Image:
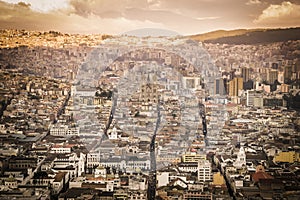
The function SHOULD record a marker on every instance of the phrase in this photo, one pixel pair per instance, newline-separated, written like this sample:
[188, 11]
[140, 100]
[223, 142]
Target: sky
[185, 17]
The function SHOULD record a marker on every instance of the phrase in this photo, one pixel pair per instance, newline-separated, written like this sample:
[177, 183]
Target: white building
[251, 95]
[204, 171]
[241, 159]
[63, 130]
[61, 149]
[93, 159]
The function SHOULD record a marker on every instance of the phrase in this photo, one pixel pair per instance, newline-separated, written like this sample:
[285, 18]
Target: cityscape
[148, 114]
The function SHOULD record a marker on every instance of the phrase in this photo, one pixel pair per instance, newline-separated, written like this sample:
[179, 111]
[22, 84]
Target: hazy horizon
[115, 17]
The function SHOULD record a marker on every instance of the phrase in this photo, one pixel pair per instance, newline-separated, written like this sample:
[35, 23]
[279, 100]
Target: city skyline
[117, 17]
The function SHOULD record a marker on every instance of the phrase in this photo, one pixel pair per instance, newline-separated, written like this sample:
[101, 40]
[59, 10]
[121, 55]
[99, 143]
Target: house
[60, 182]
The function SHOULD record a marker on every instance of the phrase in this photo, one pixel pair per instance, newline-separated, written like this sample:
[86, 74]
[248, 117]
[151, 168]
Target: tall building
[204, 171]
[219, 87]
[272, 75]
[245, 74]
[297, 69]
[235, 85]
[281, 77]
[287, 74]
[149, 94]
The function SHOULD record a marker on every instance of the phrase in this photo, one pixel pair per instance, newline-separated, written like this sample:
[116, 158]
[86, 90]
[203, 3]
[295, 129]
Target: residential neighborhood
[124, 117]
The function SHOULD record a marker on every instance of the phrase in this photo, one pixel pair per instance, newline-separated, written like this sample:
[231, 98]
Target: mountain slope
[221, 33]
[251, 36]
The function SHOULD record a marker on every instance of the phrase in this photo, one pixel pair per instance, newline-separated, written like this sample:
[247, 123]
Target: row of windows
[21, 165]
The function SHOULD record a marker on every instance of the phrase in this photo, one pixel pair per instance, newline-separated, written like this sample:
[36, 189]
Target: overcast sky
[118, 16]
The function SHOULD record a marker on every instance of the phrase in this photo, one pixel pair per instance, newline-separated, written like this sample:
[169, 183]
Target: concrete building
[245, 72]
[192, 157]
[204, 171]
[251, 95]
[235, 85]
[272, 75]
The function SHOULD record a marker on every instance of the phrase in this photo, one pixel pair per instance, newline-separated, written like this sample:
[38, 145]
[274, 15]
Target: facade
[245, 72]
[191, 157]
[204, 171]
[272, 76]
[219, 87]
[251, 95]
[63, 130]
[235, 85]
[289, 157]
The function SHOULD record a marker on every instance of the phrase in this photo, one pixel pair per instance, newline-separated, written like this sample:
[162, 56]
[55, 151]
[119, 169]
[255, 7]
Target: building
[285, 88]
[241, 159]
[61, 148]
[235, 85]
[272, 76]
[219, 87]
[204, 171]
[192, 157]
[188, 167]
[92, 161]
[287, 74]
[191, 82]
[245, 72]
[63, 130]
[60, 181]
[251, 95]
[218, 179]
[289, 156]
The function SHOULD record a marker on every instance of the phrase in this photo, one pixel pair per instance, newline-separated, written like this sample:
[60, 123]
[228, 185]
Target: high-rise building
[297, 69]
[235, 85]
[245, 74]
[272, 75]
[287, 74]
[281, 77]
[219, 87]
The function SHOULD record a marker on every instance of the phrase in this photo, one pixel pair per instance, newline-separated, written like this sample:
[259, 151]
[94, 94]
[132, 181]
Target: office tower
[235, 85]
[287, 74]
[219, 87]
[272, 75]
[245, 74]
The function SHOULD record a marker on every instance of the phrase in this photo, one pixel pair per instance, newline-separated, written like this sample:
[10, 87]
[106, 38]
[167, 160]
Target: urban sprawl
[123, 117]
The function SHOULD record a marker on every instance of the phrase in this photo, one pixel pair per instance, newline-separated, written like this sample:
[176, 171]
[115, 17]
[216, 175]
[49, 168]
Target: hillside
[249, 36]
[221, 33]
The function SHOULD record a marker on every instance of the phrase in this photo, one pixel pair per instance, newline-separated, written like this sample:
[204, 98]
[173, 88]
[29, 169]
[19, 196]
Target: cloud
[117, 16]
[103, 7]
[42, 6]
[253, 2]
[19, 16]
[207, 18]
[287, 14]
[26, 5]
